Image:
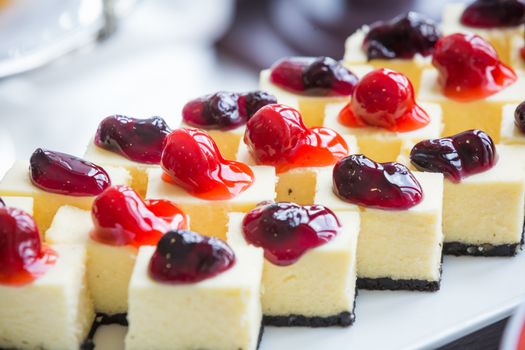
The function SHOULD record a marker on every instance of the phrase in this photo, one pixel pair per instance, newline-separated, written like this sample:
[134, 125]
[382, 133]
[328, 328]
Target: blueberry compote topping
[321, 76]
[225, 110]
[457, 156]
[359, 180]
[66, 174]
[277, 136]
[286, 230]
[519, 117]
[187, 257]
[23, 258]
[140, 140]
[494, 14]
[402, 37]
[121, 217]
[192, 161]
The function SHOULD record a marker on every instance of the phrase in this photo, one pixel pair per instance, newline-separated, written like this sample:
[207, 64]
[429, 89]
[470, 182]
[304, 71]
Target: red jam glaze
[384, 98]
[286, 231]
[315, 76]
[469, 68]
[184, 257]
[121, 217]
[277, 136]
[359, 180]
[23, 258]
[493, 14]
[140, 140]
[458, 156]
[66, 174]
[192, 161]
[521, 340]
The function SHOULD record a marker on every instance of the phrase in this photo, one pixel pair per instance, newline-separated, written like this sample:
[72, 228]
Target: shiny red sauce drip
[192, 161]
[121, 217]
[277, 136]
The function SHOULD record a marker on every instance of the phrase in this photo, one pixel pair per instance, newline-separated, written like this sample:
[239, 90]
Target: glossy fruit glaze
[121, 217]
[286, 231]
[493, 14]
[402, 37]
[458, 156]
[519, 117]
[192, 160]
[359, 180]
[225, 110]
[277, 136]
[140, 140]
[23, 258]
[314, 76]
[66, 174]
[384, 98]
[469, 68]
[187, 257]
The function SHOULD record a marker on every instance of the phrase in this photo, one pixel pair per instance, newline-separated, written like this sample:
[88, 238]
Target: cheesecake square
[23, 203]
[501, 38]
[510, 134]
[483, 114]
[296, 185]
[310, 107]
[105, 158]
[356, 56]
[210, 217]
[16, 182]
[318, 290]
[397, 249]
[381, 144]
[221, 312]
[52, 312]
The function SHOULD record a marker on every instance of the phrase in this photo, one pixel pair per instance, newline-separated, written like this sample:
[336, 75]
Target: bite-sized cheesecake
[44, 300]
[223, 115]
[470, 83]
[309, 270]
[195, 292]
[382, 114]
[309, 83]
[130, 143]
[484, 192]
[22, 203]
[513, 125]
[498, 22]
[403, 44]
[119, 223]
[400, 240]
[53, 179]
[206, 186]
[276, 136]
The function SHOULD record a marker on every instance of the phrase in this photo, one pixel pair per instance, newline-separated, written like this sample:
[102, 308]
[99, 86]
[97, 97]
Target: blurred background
[66, 64]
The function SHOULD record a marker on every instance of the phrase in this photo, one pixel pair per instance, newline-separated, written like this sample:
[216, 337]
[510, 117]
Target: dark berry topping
[187, 257]
[384, 98]
[140, 140]
[519, 117]
[192, 160]
[402, 37]
[121, 217]
[360, 180]
[66, 174]
[22, 256]
[457, 156]
[321, 76]
[469, 67]
[286, 231]
[225, 110]
[494, 14]
[277, 136]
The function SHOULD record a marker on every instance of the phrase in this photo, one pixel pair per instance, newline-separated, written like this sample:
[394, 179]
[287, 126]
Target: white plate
[474, 292]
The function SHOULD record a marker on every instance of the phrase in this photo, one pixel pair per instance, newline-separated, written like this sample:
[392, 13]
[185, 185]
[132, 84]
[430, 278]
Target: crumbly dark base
[386, 283]
[344, 319]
